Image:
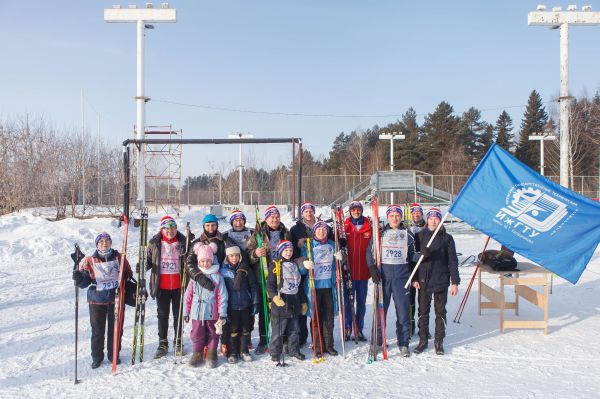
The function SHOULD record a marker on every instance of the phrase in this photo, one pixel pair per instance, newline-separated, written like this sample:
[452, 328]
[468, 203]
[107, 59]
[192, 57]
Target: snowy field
[37, 337]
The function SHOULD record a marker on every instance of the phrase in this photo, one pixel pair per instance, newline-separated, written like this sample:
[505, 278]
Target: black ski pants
[167, 300]
[99, 315]
[439, 303]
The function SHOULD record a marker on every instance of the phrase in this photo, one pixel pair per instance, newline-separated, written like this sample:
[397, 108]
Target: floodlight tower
[141, 16]
[241, 165]
[563, 19]
[391, 137]
[541, 138]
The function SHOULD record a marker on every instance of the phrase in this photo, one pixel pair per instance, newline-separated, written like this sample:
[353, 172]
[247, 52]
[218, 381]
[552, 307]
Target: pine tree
[534, 120]
[471, 130]
[439, 135]
[487, 139]
[503, 131]
[406, 150]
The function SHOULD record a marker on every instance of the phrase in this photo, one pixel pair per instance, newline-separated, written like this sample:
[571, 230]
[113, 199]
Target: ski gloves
[278, 301]
[77, 277]
[426, 252]
[375, 274]
[304, 309]
[308, 264]
[240, 275]
[219, 325]
[205, 282]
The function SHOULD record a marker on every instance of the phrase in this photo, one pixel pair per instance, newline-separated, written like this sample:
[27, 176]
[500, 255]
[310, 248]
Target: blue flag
[531, 215]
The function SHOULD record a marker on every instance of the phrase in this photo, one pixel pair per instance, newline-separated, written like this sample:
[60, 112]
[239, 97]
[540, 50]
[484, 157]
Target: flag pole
[428, 244]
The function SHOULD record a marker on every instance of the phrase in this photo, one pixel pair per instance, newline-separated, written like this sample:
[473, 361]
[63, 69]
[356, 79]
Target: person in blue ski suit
[323, 257]
[397, 261]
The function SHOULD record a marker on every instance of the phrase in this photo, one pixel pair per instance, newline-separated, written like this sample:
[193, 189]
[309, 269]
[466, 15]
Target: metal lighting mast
[241, 166]
[541, 138]
[141, 16]
[391, 137]
[563, 19]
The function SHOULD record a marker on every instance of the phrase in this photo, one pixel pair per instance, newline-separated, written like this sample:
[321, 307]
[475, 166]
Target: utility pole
[141, 16]
[391, 137]
[82, 154]
[556, 19]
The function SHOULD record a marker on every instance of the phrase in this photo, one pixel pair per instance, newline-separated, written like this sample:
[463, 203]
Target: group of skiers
[283, 276]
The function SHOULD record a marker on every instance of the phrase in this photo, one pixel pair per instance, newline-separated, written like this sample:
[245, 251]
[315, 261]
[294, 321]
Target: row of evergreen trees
[446, 143]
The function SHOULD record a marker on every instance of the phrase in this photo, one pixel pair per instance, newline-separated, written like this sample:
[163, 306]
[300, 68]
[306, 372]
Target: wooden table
[528, 275]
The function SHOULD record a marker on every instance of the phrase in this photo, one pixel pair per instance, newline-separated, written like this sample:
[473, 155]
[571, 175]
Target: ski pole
[463, 303]
[77, 256]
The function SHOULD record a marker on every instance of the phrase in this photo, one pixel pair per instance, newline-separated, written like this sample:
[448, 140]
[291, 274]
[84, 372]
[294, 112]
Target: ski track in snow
[37, 337]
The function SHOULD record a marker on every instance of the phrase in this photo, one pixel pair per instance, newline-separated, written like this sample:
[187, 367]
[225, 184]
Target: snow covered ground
[37, 337]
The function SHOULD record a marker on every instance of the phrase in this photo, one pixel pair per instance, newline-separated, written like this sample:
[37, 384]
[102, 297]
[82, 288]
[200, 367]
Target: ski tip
[315, 361]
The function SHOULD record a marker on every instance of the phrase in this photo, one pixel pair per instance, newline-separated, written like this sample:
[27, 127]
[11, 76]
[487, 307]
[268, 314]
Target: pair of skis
[379, 322]
[263, 274]
[120, 299]
[141, 294]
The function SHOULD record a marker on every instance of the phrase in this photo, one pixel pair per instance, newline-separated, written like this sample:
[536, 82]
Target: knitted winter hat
[394, 208]
[210, 218]
[270, 211]
[283, 245]
[319, 224]
[204, 251]
[416, 207]
[355, 204]
[307, 205]
[433, 212]
[233, 250]
[101, 236]
[167, 222]
[237, 214]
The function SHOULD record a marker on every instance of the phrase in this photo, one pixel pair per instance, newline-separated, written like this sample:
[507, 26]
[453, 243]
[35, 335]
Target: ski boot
[163, 349]
[246, 357]
[361, 337]
[260, 349]
[404, 351]
[96, 363]
[299, 355]
[331, 350]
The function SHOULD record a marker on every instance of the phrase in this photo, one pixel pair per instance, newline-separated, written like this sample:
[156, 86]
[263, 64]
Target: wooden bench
[529, 275]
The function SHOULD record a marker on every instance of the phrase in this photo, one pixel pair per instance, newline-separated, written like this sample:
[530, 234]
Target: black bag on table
[499, 260]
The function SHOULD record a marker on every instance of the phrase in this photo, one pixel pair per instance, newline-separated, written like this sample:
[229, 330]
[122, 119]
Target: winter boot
[361, 337]
[246, 357]
[439, 347]
[299, 355]
[347, 335]
[178, 347]
[260, 349]
[163, 349]
[421, 346]
[96, 363]
[404, 351]
[275, 358]
[234, 349]
[196, 359]
[211, 359]
[331, 350]
[245, 347]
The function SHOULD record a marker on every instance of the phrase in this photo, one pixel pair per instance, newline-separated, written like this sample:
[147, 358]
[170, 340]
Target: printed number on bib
[107, 275]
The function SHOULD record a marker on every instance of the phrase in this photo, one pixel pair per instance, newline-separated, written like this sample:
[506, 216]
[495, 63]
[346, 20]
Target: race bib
[169, 258]
[323, 260]
[291, 278]
[273, 243]
[240, 238]
[394, 247]
[107, 275]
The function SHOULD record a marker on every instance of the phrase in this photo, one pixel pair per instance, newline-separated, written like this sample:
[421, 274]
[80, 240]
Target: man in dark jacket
[272, 232]
[438, 269]
[165, 253]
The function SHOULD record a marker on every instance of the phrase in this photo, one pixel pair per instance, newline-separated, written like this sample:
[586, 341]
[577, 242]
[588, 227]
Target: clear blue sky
[313, 57]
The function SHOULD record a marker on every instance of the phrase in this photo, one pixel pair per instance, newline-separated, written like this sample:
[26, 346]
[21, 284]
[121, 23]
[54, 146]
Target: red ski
[378, 289]
[120, 300]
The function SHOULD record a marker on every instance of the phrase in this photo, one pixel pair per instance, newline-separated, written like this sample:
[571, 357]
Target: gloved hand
[426, 252]
[375, 274]
[278, 301]
[238, 280]
[205, 282]
[77, 277]
[304, 309]
[338, 256]
[219, 325]
[308, 264]
[255, 309]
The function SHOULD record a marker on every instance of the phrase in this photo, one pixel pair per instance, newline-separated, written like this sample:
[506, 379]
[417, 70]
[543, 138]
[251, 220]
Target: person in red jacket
[358, 235]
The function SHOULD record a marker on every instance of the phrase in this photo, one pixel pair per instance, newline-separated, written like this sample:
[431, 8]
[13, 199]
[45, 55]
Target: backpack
[501, 260]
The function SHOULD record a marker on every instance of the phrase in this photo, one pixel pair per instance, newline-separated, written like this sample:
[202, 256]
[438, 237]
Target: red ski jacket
[357, 243]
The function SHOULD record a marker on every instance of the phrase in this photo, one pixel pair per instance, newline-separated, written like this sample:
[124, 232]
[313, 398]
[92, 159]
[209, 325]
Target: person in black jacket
[242, 303]
[289, 300]
[438, 269]
[165, 252]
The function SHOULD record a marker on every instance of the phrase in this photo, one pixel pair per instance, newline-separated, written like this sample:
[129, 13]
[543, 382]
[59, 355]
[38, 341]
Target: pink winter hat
[204, 251]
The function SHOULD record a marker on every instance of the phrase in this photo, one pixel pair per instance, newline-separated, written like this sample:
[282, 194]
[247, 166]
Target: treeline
[41, 166]
[446, 143]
